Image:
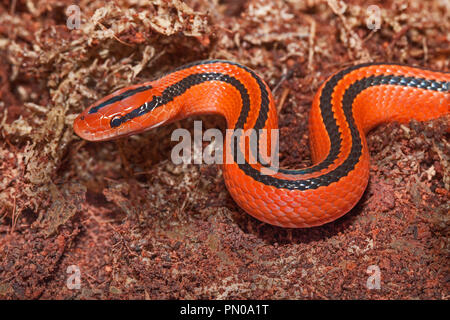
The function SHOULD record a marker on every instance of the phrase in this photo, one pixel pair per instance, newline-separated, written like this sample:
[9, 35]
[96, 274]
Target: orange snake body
[346, 106]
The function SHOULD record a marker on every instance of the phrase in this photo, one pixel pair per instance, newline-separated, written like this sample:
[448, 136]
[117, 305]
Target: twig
[312, 36]
[284, 95]
[13, 7]
[183, 206]
[6, 212]
[425, 50]
[285, 76]
[395, 38]
[14, 218]
[115, 37]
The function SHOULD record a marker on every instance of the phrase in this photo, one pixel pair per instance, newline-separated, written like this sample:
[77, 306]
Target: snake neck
[225, 88]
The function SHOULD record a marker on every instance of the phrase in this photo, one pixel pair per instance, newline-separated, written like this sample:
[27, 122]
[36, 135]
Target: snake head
[125, 112]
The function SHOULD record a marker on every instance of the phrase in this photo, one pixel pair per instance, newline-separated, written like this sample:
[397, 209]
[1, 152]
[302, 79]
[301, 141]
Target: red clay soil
[139, 227]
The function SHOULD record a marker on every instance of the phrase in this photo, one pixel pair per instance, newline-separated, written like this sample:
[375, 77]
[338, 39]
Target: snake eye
[116, 121]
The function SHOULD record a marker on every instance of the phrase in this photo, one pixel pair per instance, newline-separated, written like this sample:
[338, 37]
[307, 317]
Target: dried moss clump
[114, 43]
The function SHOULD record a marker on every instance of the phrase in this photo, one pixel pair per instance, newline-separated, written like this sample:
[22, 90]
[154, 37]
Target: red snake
[346, 106]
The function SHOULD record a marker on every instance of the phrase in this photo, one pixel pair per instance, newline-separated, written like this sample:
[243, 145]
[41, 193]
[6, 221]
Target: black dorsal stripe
[179, 88]
[356, 150]
[119, 97]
